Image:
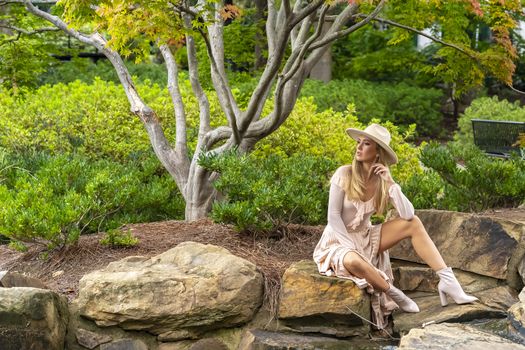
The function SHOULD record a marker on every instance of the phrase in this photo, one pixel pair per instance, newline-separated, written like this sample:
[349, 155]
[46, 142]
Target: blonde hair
[354, 183]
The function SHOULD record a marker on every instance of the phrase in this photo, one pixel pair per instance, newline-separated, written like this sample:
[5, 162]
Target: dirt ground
[62, 270]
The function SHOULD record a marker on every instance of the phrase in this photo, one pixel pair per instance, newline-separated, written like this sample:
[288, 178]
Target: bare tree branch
[305, 12]
[271, 31]
[327, 39]
[274, 61]
[176, 98]
[58, 23]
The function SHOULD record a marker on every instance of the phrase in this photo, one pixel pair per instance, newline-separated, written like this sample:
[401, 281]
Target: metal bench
[498, 138]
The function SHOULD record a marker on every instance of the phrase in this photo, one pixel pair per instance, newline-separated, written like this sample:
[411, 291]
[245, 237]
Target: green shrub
[265, 195]
[487, 108]
[118, 238]
[87, 71]
[480, 183]
[53, 199]
[401, 103]
[92, 119]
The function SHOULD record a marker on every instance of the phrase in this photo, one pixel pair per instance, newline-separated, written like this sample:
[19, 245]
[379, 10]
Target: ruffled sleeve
[335, 207]
[403, 206]
[338, 176]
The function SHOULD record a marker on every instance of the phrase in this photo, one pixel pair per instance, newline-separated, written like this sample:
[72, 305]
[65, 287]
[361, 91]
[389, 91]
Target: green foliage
[322, 134]
[401, 104]
[86, 70]
[367, 54]
[93, 119]
[119, 238]
[265, 195]
[451, 20]
[53, 199]
[462, 178]
[487, 108]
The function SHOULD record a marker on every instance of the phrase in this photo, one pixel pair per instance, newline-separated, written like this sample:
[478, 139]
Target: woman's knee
[353, 262]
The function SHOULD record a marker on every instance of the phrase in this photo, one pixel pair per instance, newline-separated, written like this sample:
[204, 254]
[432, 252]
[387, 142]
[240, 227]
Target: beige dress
[349, 230]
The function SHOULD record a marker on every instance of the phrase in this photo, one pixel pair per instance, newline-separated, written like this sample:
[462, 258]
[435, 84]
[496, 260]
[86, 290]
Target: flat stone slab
[448, 336]
[9, 279]
[433, 312]
[264, 340]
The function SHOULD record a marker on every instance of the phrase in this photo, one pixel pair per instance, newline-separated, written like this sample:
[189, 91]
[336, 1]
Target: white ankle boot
[405, 303]
[449, 285]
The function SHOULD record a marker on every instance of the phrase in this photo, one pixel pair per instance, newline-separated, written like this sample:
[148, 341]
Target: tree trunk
[199, 193]
[323, 68]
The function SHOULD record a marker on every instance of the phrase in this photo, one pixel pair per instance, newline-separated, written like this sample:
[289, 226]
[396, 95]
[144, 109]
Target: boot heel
[443, 298]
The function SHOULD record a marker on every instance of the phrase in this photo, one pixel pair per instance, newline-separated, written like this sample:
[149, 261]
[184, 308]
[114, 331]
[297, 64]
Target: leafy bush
[87, 71]
[401, 103]
[53, 199]
[265, 195]
[92, 119]
[480, 183]
[490, 108]
[118, 238]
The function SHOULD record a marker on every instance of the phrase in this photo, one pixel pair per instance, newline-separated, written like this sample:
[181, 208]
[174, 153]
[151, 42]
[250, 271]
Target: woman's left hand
[383, 171]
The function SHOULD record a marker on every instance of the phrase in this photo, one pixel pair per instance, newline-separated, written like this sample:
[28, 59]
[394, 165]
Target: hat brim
[356, 133]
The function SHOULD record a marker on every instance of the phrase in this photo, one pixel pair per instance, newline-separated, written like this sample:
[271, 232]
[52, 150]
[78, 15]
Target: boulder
[263, 340]
[410, 276]
[191, 285]
[449, 336]
[32, 318]
[331, 303]
[433, 312]
[83, 333]
[484, 245]
[516, 317]
[10, 279]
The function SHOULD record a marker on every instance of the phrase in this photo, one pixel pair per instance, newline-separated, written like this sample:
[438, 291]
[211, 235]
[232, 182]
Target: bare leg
[398, 229]
[359, 267]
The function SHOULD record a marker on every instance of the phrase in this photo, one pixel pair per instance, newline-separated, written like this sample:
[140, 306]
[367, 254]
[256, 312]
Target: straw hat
[380, 135]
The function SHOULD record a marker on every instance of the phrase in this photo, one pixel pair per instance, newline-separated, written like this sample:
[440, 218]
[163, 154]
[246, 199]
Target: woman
[351, 247]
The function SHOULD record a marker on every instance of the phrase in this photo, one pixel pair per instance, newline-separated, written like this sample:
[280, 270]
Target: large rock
[410, 276]
[484, 245]
[9, 279]
[446, 336]
[433, 312]
[191, 285]
[517, 317]
[32, 318]
[310, 302]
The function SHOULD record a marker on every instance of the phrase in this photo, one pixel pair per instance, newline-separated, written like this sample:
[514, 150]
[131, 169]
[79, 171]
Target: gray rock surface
[9, 279]
[481, 244]
[263, 340]
[433, 312]
[447, 336]
[32, 318]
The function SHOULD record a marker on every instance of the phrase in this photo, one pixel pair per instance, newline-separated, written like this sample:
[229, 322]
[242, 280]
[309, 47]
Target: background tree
[298, 33]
